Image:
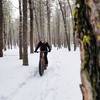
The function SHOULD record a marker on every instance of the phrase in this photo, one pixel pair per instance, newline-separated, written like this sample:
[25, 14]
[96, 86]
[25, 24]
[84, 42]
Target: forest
[38, 19]
[63, 24]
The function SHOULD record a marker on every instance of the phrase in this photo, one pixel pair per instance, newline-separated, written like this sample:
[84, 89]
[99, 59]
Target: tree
[20, 29]
[87, 25]
[31, 26]
[7, 24]
[58, 27]
[63, 11]
[1, 28]
[48, 20]
[5, 35]
[25, 45]
[74, 37]
[36, 19]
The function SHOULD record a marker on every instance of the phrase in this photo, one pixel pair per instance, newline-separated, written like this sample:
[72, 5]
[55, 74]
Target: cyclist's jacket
[44, 46]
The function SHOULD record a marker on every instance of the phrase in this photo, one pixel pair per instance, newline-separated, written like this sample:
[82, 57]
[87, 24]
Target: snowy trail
[60, 81]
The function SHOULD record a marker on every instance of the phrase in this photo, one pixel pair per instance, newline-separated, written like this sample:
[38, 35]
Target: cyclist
[44, 47]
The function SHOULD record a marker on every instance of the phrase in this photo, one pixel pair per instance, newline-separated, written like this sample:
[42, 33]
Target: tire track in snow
[50, 89]
[20, 86]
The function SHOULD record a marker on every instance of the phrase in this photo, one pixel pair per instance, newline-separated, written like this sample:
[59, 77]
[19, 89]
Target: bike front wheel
[41, 68]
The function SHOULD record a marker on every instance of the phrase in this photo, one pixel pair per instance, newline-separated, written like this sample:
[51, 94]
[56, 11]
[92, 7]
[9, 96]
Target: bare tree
[25, 45]
[65, 23]
[58, 27]
[31, 25]
[1, 28]
[48, 20]
[74, 36]
[20, 29]
[10, 35]
[5, 34]
[36, 19]
[7, 24]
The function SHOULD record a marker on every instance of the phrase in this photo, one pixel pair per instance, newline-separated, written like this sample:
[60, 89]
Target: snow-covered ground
[60, 81]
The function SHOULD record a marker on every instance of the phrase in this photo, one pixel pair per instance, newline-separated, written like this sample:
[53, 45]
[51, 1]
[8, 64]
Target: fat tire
[41, 69]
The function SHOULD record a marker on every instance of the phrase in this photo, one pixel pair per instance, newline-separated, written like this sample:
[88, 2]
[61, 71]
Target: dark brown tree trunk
[25, 45]
[20, 29]
[31, 26]
[48, 21]
[5, 34]
[10, 37]
[1, 28]
[87, 25]
[40, 17]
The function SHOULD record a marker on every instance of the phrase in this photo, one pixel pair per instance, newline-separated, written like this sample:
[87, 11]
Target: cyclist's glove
[35, 51]
[50, 50]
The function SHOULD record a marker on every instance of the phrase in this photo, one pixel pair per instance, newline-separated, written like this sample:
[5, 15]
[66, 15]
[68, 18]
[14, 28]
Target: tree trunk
[5, 35]
[1, 28]
[65, 24]
[87, 25]
[20, 29]
[58, 28]
[10, 37]
[40, 17]
[48, 21]
[25, 45]
[36, 20]
[31, 26]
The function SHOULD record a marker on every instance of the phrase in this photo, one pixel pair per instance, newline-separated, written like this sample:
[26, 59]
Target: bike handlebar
[40, 51]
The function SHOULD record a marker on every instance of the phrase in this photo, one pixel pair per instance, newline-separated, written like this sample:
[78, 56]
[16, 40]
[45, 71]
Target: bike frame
[42, 64]
[42, 59]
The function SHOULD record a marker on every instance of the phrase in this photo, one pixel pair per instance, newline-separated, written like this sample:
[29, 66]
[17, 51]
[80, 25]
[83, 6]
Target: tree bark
[1, 28]
[20, 29]
[31, 26]
[48, 21]
[5, 35]
[58, 28]
[25, 45]
[87, 25]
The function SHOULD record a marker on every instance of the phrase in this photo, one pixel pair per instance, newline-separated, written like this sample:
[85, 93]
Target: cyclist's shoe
[46, 66]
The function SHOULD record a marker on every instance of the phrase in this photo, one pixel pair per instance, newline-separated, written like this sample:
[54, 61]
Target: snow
[60, 81]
